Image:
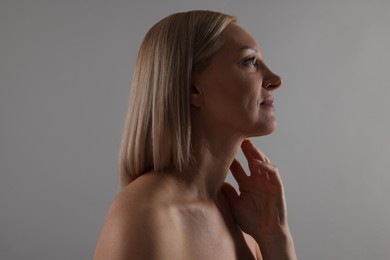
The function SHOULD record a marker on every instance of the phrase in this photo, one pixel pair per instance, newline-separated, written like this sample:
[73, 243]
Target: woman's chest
[207, 233]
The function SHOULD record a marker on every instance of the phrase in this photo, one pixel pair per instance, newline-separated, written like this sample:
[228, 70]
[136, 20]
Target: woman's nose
[272, 81]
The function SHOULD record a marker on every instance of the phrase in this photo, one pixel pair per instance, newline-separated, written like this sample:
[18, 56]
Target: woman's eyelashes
[250, 61]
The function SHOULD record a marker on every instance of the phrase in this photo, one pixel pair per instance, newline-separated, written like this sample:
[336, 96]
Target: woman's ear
[196, 96]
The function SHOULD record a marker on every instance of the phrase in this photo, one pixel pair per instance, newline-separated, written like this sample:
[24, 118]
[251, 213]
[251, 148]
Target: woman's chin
[265, 129]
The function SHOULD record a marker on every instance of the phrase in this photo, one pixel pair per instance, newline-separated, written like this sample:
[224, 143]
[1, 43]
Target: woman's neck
[212, 157]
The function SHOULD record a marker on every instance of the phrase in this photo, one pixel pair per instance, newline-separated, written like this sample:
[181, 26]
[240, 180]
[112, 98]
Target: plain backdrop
[65, 72]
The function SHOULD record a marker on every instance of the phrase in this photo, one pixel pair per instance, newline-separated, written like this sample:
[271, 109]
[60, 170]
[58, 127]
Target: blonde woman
[200, 89]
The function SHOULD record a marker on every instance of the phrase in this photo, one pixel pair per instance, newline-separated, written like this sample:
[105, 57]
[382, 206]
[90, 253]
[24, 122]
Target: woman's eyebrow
[245, 47]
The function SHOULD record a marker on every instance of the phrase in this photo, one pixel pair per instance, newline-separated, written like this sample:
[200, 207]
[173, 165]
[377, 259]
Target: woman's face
[236, 86]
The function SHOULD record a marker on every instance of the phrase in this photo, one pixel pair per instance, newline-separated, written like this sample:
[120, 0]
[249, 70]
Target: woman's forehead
[237, 39]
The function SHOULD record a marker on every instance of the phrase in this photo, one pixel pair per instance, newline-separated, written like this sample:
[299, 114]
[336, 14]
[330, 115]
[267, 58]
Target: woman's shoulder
[148, 190]
[137, 220]
[145, 199]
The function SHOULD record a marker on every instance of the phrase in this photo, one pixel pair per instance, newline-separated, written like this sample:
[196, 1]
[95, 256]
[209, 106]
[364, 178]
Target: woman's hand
[260, 209]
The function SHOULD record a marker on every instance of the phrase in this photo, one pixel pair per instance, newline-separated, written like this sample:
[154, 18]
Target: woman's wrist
[279, 246]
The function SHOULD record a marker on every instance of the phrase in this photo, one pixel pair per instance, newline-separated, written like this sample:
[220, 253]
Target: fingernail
[256, 161]
[247, 140]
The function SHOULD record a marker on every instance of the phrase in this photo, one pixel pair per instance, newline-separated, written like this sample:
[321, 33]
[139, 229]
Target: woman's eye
[250, 61]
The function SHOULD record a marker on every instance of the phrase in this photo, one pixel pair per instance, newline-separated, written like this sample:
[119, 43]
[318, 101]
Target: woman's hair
[157, 133]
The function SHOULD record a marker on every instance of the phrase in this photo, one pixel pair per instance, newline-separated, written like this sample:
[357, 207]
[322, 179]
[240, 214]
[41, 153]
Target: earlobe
[196, 96]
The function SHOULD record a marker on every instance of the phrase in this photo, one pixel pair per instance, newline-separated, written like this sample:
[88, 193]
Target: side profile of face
[234, 92]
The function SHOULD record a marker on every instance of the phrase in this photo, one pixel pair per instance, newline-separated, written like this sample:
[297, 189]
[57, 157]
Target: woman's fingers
[253, 155]
[259, 165]
[231, 194]
[270, 171]
[237, 171]
[251, 152]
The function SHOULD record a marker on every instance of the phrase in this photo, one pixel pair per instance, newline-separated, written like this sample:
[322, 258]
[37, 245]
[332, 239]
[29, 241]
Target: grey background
[65, 71]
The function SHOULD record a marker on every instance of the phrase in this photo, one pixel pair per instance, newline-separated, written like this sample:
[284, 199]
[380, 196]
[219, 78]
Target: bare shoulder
[138, 222]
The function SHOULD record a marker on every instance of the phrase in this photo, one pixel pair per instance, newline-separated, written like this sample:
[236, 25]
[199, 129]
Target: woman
[200, 89]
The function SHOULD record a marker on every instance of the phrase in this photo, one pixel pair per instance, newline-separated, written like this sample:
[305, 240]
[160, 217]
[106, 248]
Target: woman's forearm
[277, 247]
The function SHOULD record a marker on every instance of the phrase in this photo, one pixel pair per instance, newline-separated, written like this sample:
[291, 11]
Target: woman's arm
[260, 209]
[277, 247]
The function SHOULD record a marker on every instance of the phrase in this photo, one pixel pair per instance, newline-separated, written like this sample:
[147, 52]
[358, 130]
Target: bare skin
[160, 225]
[193, 214]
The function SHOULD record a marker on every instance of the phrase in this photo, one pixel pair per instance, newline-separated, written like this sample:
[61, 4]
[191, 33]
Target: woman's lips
[268, 102]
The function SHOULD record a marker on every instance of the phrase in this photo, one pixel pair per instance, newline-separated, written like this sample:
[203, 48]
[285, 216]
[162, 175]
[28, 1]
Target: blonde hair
[157, 133]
